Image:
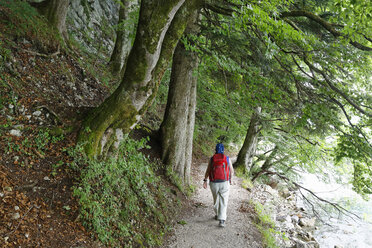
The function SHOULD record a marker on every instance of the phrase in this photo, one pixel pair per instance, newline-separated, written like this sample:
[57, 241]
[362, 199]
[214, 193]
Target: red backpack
[220, 168]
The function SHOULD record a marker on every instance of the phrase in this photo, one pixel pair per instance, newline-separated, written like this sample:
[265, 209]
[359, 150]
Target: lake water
[342, 230]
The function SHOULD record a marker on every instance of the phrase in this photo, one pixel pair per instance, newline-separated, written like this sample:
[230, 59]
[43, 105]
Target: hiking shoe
[222, 223]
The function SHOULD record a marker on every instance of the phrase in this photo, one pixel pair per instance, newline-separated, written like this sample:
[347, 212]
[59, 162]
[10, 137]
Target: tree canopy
[307, 64]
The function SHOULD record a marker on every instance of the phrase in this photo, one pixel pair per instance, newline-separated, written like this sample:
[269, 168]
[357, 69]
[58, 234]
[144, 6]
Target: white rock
[284, 192]
[16, 133]
[36, 113]
[16, 208]
[16, 216]
[288, 218]
[300, 243]
[270, 190]
[295, 218]
[307, 222]
[46, 178]
[288, 225]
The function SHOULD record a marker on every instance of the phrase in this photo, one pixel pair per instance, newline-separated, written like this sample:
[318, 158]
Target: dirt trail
[201, 229]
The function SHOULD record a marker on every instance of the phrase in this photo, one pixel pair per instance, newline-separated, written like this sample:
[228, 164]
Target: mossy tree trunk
[177, 128]
[124, 36]
[161, 24]
[55, 12]
[246, 153]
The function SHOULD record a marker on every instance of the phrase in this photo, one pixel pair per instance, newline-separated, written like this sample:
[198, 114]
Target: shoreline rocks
[294, 221]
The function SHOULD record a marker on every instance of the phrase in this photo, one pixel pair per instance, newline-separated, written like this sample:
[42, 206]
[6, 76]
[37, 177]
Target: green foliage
[351, 12]
[22, 20]
[354, 149]
[247, 183]
[7, 95]
[130, 23]
[221, 115]
[177, 181]
[36, 144]
[5, 52]
[266, 226]
[118, 196]
[308, 82]
[43, 139]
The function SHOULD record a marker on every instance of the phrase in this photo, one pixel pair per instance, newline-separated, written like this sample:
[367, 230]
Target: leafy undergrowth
[123, 200]
[45, 199]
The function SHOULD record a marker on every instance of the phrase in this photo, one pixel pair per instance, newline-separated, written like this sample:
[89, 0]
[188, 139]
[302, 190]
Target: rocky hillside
[45, 90]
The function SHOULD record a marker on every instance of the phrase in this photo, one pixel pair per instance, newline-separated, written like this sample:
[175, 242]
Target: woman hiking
[219, 172]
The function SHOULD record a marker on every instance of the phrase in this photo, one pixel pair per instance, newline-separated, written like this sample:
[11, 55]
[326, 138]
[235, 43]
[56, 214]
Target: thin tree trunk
[177, 127]
[124, 34]
[55, 12]
[156, 39]
[246, 153]
[190, 131]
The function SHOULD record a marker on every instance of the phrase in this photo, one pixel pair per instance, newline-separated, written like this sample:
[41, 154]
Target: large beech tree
[156, 39]
[177, 128]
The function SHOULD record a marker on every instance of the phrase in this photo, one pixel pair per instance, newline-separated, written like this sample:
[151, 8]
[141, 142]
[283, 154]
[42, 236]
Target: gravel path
[200, 229]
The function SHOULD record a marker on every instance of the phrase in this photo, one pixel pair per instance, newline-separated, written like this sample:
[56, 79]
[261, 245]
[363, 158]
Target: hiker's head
[219, 148]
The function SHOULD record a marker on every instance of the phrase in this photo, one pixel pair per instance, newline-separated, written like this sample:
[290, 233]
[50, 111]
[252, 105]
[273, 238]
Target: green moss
[21, 20]
[111, 114]
[241, 171]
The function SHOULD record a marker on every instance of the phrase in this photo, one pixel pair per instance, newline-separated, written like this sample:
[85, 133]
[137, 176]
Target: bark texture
[124, 34]
[246, 153]
[55, 12]
[156, 39]
[177, 127]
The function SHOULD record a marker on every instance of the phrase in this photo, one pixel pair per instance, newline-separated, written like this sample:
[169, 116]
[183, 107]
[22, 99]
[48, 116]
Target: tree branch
[326, 25]
[335, 89]
[349, 121]
[297, 135]
[219, 9]
[335, 205]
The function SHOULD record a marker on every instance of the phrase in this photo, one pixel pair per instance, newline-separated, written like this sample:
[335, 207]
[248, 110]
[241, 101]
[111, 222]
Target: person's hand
[205, 184]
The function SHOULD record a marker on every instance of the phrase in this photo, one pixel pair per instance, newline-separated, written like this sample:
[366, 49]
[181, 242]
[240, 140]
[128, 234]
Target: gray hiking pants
[220, 192]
